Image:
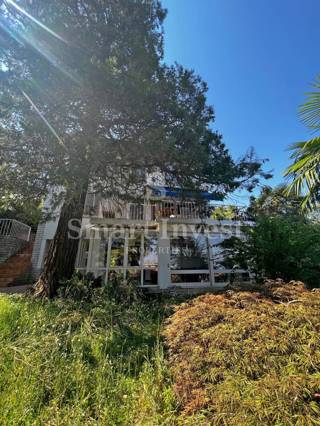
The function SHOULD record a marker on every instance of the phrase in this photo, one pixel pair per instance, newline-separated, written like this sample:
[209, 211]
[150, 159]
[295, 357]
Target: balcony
[163, 209]
[178, 210]
[97, 207]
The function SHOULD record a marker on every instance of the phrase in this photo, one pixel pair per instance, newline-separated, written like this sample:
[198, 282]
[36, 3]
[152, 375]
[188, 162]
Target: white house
[167, 241]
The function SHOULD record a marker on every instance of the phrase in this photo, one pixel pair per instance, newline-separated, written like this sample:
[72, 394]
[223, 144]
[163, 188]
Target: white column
[164, 276]
[94, 252]
[210, 260]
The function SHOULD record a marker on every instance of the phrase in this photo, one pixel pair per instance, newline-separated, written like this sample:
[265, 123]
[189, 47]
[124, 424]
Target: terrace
[96, 207]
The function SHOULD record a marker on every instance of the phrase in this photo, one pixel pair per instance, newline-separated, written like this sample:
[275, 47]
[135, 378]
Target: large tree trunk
[60, 260]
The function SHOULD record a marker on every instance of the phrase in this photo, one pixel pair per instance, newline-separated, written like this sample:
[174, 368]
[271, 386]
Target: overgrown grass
[241, 358]
[82, 364]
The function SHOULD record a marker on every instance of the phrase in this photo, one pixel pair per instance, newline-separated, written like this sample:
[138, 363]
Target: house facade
[170, 240]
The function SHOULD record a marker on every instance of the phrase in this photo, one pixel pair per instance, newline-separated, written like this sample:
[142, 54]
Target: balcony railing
[178, 210]
[171, 209]
[14, 228]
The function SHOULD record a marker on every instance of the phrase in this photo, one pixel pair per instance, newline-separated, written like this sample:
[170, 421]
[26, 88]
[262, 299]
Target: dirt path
[15, 289]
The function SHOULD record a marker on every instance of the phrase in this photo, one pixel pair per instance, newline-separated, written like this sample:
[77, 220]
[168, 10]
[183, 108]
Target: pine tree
[86, 99]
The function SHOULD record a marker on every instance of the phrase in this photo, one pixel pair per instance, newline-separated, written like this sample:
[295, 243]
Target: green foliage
[87, 288]
[26, 211]
[224, 212]
[82, 363]
[274, 202]
[95, 100]
[80, 288]
[233, 359]
[242, 359]
[304, 172]
[278, 247]
[98, 106]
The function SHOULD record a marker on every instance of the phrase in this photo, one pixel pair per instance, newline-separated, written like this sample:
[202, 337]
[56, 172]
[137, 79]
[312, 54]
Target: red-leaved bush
[247, 358]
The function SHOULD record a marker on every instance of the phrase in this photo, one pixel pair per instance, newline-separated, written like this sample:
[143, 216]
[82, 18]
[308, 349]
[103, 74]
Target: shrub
[87, 288]
[242, 359]
[79, 287]
[278, 247]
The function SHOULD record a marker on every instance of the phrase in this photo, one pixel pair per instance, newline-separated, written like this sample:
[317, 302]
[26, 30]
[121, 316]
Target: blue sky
[258, 57]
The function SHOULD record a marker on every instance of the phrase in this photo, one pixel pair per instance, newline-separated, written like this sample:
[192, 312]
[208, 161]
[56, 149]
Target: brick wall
[9, 246]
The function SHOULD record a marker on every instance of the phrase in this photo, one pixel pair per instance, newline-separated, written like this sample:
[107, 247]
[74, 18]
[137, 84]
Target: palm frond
[310, 110]
[305, 171]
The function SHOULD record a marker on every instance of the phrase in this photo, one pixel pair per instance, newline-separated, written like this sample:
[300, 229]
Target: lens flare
[43, 118]
[40, 24]
[43, 48]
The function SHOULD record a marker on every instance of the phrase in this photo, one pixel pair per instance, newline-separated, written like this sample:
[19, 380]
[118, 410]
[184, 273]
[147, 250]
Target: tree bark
[60, 260]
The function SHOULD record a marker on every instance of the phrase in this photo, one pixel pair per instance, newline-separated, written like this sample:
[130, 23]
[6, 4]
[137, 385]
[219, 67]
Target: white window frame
[189, 271]
[125, 268]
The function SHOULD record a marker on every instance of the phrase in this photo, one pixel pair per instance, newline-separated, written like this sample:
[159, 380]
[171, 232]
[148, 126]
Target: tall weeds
[82, 364]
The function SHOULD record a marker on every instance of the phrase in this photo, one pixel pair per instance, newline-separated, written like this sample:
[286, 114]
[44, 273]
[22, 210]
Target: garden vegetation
[93, 358]
[247, 358]
[68, 363]
[286, 247]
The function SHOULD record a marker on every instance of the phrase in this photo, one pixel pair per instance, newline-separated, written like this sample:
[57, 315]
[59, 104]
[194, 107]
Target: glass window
[134, 251]
[117, 252]
[189, 252]
[190, 278]
[217, 251]
[103, 253]
[150, 254]
[83, 254]
[221, 277]
[150, 276]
